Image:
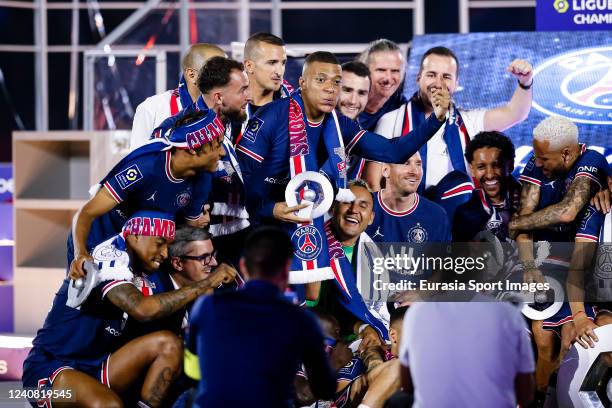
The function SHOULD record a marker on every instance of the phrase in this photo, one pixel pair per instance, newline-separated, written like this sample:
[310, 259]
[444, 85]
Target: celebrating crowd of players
[198, 207]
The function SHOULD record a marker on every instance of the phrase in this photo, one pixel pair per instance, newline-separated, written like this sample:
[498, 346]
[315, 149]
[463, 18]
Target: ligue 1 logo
[576, 85]
[561, 6]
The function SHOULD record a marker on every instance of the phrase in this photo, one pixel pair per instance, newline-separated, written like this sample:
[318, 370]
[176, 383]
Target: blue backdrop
[573, 78]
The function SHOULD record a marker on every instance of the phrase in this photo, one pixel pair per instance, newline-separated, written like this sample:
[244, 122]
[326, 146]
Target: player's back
[250, 344]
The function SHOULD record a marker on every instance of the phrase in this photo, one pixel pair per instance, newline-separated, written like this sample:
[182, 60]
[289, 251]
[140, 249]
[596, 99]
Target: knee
[546, 350]
[603, 319]
[168, 344]
[108, 400]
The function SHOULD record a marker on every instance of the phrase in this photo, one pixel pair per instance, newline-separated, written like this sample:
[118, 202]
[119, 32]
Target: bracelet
[525, 87]
[529, 265]
[577, 313]
[362, 328]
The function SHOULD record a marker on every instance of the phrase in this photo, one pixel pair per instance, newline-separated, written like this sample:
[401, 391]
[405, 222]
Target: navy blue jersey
[227, 196]
[263, 151]
[94, 329]
[143, 181]
[590, 164]
[480, 214]
[590, 224]
[425, 221]
[226, 332]
[368, 121]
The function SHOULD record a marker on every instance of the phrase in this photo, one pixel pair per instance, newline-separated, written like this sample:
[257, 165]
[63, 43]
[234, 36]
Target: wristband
[577, 313]
[528, 265]
[362, 328]
[525, 87]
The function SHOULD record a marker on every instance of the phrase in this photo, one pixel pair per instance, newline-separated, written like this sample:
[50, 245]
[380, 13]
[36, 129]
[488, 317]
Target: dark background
[330, 26]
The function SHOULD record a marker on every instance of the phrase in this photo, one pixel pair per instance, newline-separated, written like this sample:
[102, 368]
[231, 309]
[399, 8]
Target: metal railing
[41, 48]
[466, 5]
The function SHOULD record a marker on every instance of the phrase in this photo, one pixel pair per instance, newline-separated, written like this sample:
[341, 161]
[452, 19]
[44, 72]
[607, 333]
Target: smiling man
[345, 233]
[84, 349]
[353, 99]
[403, 215]
[304, 133]
[355, 89]
[386, 63]
[439, 68]
[490, 207]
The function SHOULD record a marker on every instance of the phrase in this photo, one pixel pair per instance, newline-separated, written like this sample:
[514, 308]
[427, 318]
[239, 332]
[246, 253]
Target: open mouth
[491, 183]
[351, 220]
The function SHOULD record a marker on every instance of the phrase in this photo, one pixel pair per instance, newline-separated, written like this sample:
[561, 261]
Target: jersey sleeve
[590, 223]
[594, 167]
[531, 173]
[114, 273]
[372, 146]
[255, 145]
[127, 178]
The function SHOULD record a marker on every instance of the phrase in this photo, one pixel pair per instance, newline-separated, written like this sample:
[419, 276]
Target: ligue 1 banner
[572, 78]
[573, 15]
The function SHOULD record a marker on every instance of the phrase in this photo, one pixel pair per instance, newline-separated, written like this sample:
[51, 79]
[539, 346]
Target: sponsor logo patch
[253, 128]
[128, 176]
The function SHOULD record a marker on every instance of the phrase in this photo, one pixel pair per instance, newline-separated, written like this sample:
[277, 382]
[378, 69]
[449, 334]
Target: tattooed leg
[157, 357]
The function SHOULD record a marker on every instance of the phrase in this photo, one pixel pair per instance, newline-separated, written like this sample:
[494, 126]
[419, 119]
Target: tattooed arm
[564, 212]
[530, 197]
[372, 357]
[147, 308]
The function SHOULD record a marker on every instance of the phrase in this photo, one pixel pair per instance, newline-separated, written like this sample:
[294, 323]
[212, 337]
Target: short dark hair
[216, 72]
[322, 56]
[258, 38]
[490, 139]
[397, 314]
[356, 67]
[184, 235]
[266, 251]
[445, 52]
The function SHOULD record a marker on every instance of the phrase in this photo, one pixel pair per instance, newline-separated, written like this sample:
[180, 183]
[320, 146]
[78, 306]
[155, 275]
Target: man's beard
[233, 116]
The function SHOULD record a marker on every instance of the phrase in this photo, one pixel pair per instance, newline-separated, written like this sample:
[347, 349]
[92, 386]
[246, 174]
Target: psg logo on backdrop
[307, 242]
[576, 85]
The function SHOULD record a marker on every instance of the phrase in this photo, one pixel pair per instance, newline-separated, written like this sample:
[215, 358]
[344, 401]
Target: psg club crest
[417, 234]
[307, 242]
[576, 85]
[183, 199]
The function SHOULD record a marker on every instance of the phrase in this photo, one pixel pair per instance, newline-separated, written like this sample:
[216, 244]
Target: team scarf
[510, 204]
[455, 135]
[311, 260]
[180, 98]
[346, 283]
